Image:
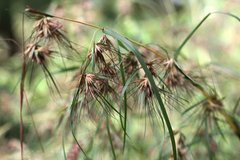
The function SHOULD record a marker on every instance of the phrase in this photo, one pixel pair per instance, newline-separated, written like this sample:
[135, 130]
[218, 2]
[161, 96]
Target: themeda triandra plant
[115, 79]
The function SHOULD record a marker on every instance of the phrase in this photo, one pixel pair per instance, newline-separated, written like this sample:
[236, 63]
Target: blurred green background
[166, 23]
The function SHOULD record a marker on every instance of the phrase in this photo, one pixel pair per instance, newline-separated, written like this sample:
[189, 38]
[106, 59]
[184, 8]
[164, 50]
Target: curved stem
[87, 24]
[158, 54]
[94, 26]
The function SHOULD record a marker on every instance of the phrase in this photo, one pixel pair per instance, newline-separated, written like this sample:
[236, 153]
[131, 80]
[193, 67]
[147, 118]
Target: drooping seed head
[47, 28]
[152, 68]
[107, 70]
[130, 63]
[144, 87]
[90, 84]
[168, 65]
[105, 40]
[38, 54]
[174, 79]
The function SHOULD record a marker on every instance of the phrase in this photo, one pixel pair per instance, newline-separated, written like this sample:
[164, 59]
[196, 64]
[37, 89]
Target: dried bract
[36, 53]
[107, 70]
[47, 28]
[90, 85]
[144, 87]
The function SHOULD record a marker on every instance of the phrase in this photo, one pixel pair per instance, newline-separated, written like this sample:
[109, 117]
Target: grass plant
[116, 82]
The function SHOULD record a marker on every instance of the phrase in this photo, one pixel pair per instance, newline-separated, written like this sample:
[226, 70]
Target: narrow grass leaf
[229, 14]
[208, 141]
[220, 130]
[194, 140]
[107, 102]
[95, 134]
[72, 103]
[72, 129]
[122, 45]
[160, 115]
[193, 106]
[110, 137]
[187, 76]
[177, 53]
[131, 47]
[160, 156]
[228, 132]
[80, 107]
[235, 107]
[125, 95]
[57, 72]
[93, 59]
[49, 74]
[125, 88]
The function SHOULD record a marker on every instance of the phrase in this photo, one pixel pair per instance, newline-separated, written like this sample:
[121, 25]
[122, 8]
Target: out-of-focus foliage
[214, 47]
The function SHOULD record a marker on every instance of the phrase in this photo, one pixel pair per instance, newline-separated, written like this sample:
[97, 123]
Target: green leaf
[50, 75]
[122, 45]
[131, 47]
[72, 128]
[208, 141]
[71, 105]
[110, 137]
[235, 107]
[159, 113]
[93, 59]
[124, 93]
[107, 103]
[177, 53]
[219, 130]
[94, 136]
[193, 106]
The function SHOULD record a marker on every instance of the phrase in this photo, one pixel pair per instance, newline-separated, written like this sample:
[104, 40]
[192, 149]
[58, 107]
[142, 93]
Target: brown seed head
[105, 40]
[90, 84]
[152, 69]
[38, 54]
[107, 70]
[213, 107]
[174, 79]
[98, 53]
[130, 63]
[168, 65]
[144, 87]
[47, 28]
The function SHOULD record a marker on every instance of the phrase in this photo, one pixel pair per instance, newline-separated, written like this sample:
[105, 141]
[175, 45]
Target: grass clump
[117, 82]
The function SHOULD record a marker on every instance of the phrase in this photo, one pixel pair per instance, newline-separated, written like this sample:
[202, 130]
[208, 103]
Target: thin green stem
[110, 137]
[125, 97]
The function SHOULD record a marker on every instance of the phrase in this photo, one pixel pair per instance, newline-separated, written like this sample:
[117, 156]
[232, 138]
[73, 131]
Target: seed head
[92, 85]
[130, 63]
[144, 87]
[37, 54]
[106, 41]
[108, 70]
[48, 28]
[98, 52]
[174, 79]
[151, 68]
[168, 65]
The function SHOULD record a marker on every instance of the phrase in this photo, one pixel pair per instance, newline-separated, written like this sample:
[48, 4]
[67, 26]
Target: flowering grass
[115, 82]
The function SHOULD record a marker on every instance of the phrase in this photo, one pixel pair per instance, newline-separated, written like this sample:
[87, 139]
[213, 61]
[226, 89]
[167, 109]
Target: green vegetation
[151, 86]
